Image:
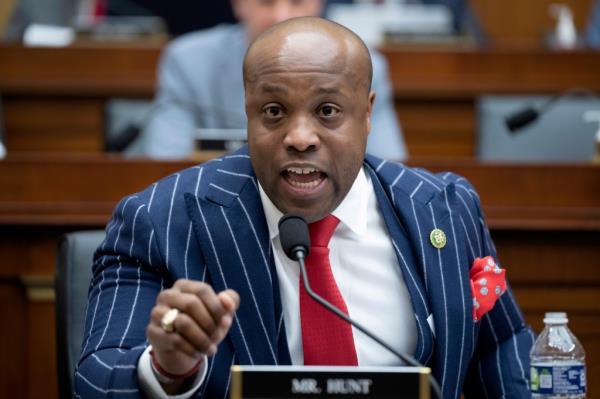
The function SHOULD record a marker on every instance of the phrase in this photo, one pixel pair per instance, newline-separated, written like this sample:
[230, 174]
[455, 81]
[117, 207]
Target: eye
[329, 111]
[273, 111]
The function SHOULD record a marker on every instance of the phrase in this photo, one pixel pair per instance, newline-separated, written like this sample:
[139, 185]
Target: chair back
[71, 284]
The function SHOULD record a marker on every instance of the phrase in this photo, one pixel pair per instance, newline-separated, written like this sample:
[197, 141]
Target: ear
[238, 9]
[319, 8]
[370, 109]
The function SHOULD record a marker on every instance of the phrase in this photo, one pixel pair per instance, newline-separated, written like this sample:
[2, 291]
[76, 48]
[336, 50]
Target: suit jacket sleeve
[170, 130]
[126, 280]
[500, 364]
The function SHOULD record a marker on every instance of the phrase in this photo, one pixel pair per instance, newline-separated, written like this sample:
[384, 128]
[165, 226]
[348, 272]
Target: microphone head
[521, 119]
[294, 235]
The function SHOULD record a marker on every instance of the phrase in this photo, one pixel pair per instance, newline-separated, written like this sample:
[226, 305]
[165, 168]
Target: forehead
[294, 87]
[279, 3]
[310, 56]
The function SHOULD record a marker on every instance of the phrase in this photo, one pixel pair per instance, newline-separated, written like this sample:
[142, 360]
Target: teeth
[305, 186]
[301, 171]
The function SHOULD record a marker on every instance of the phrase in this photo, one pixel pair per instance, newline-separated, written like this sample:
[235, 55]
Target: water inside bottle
[557, 361]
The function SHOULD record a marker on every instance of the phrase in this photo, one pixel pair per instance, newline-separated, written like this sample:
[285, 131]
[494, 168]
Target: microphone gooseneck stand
[295, 241]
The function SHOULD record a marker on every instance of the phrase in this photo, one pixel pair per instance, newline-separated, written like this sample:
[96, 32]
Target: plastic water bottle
[557, 361]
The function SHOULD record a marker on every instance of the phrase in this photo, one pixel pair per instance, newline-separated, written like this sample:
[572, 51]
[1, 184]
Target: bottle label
[557, 379]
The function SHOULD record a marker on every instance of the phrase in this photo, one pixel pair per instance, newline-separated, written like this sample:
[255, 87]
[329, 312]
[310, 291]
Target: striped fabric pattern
[207, 223]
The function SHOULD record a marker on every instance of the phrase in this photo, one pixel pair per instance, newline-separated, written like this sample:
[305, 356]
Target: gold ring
[168, 320]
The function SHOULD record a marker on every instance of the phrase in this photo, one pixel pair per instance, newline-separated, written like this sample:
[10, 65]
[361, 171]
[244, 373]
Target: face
[308, 121]
[259, 15]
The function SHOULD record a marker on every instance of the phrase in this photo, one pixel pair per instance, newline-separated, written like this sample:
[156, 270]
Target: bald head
[309, 43]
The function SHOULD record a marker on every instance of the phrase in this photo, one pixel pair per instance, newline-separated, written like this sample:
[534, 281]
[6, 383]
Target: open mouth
[303, 178]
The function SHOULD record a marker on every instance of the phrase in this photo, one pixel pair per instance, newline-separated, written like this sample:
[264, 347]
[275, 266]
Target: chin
[310, 215]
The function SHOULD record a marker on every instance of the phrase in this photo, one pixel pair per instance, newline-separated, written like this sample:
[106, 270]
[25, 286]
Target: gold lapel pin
[438, 238]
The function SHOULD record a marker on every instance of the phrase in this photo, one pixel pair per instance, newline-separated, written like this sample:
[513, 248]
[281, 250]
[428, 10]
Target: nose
[301, 136]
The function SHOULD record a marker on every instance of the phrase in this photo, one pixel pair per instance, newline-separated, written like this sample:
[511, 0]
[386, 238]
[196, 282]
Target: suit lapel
[406, 262]
[230, 227]
[425, 203]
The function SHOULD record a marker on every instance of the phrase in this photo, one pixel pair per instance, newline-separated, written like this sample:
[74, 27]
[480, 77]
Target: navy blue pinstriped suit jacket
[207, 223]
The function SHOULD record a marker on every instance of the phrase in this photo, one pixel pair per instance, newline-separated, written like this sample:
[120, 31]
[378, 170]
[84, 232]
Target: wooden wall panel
[41, 353]
[54, 124]
[28, 256]
[443, 128]
[551, 260]
[93, 69]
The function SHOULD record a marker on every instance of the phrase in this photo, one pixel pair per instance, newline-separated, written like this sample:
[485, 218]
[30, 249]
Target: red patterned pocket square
[488, 283]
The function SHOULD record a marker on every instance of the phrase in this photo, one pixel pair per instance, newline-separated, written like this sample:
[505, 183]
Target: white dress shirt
[366, 270]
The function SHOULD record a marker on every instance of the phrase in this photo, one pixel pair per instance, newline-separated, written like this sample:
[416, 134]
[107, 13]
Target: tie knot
[322, 230]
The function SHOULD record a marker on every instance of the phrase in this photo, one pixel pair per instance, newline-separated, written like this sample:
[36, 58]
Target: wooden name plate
[282, 382]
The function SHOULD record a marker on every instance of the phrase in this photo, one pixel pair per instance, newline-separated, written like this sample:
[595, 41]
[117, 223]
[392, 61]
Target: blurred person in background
[200, 84]
[187, 16]
[463, 18]
[592, 37]
[48, 12]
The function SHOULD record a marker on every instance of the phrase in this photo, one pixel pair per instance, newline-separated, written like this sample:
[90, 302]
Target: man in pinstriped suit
[204, 241]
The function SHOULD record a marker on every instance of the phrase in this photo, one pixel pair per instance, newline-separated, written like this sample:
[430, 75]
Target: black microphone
[294, 237]
[295, 242]
[525, 116]
[521, 118]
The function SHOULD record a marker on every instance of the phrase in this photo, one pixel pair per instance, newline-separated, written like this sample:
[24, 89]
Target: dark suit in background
[50, 12]
[181, 16]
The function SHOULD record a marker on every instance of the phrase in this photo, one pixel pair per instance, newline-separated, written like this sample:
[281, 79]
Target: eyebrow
[328, 90]
[276, 88]
[273, 88]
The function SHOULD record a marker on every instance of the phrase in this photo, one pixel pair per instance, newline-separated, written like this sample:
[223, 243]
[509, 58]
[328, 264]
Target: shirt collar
[352, 211]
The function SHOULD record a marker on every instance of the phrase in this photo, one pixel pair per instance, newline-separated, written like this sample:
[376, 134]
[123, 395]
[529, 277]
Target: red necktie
[99, 9]
[326, 339]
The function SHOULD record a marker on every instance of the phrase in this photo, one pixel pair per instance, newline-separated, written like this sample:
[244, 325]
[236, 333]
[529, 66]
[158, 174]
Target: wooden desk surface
[106, 71]
[470, 73]
[126, 70]
[82, 189]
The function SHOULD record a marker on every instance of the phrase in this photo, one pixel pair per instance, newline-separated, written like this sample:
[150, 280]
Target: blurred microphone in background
[207, 127]
[537, 128]
[525, 116]
[2, 137]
